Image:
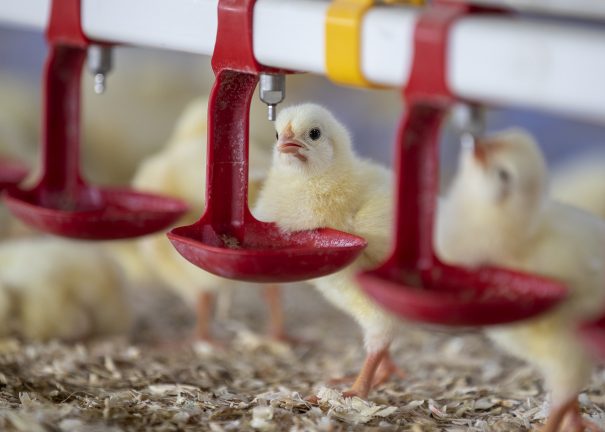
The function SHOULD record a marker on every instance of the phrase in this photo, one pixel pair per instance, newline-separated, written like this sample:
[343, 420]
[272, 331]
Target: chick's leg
[273, 297]
[556, 417]
[277, 321]
[204, 312]
[386, 370]
[202, 330]
[363, 383]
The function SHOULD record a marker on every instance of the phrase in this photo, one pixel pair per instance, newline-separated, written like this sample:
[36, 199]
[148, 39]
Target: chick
[179, 170]
[316, 180]
[581, 183]
[53, 288]
[498, 212]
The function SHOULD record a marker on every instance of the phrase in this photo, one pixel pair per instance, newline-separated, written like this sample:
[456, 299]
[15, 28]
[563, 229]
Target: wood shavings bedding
[455, 381]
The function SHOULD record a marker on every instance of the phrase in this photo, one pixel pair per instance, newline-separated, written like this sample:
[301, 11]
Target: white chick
[53, 288]
[581, 183]
[180, 170]
[317, 180]
[498, 213]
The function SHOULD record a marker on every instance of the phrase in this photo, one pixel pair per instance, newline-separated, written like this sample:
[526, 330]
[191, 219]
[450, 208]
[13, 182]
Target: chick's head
[310, 140]
[505, 171]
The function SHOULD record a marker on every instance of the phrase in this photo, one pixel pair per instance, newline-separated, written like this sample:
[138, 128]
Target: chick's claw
[353, 393]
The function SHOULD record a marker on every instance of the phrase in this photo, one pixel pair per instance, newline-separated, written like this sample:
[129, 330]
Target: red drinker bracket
[413, 283]
[228, 241]
[62, 202]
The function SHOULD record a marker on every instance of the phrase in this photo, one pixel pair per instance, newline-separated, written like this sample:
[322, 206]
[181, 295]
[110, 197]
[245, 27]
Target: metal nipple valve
[469, 120]
[272, 90]
[99, 64]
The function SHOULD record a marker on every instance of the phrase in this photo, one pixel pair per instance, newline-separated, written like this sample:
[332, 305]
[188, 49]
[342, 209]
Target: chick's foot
[363, 383]
[568, 418]
[277, 322]
[387, 370]
[574, 421]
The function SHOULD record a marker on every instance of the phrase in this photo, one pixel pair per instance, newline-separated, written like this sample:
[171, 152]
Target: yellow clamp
[343, 39]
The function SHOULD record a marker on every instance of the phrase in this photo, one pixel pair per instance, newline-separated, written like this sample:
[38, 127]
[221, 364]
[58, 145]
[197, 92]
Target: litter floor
[455, 381]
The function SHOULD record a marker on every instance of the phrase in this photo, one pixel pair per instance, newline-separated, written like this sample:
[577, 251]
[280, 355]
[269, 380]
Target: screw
[272, 90]
[469, 119]
[99, 64]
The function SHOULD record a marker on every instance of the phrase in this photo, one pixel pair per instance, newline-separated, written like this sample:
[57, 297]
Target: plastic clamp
[343, 41]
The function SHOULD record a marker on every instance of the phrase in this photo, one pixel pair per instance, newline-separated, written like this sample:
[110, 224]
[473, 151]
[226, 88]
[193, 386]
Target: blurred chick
[581, 183]
[18, 129]
[52, 288]
[179, 170]
[498, 212]
[317, 180]
[19, 118]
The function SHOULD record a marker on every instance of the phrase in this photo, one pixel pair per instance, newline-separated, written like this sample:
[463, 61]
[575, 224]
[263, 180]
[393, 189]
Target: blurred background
[148, 89]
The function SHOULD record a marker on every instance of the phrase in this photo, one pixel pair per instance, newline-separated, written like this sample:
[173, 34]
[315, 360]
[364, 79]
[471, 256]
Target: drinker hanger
[62, 202]
[413, 283]
[11, 173]
[228, 241]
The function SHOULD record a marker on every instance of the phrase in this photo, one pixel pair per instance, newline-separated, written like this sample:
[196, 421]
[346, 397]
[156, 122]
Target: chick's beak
[480, 152]
[289, 146]
[292, 147]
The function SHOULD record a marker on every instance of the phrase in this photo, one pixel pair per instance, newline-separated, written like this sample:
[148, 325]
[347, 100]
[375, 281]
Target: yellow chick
[53, 288]
[581, 183]
[180, 170]
[316, 180]
[498, 212]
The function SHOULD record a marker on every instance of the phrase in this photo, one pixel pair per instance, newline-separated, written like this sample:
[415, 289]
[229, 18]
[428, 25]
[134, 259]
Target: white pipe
[557, 66]
[181, 25]
[593, 9]
[291, 34]
[536, 64]
[25, 13]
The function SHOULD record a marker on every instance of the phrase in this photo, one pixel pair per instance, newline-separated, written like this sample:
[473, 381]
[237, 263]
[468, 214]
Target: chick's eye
[276, 135]
[315, 134]
[503, 175]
